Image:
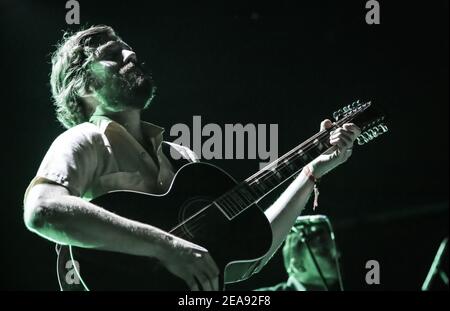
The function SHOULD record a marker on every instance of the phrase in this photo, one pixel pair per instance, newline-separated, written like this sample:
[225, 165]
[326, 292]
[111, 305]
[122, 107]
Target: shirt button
[160, 183]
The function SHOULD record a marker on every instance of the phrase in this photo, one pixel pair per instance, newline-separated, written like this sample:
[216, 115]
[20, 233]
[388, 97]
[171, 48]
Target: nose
[128, 55]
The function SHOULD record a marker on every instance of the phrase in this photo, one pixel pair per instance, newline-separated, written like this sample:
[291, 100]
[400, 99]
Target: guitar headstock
[370, 119]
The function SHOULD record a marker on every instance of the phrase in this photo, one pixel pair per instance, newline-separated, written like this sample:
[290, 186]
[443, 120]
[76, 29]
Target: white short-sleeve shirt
[99, 156]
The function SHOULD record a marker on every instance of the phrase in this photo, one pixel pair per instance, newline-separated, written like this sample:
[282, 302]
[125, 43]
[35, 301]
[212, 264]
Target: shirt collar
[150, 131]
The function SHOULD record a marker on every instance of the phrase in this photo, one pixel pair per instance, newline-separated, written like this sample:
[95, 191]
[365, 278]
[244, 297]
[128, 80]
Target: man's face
[120, 81]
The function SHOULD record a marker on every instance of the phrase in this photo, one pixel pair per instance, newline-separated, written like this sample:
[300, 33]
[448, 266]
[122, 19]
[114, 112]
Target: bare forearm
[281, 215]
[284, 211]
[72, 220]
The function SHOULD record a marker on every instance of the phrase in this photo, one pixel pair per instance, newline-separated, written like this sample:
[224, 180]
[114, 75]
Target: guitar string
[191, 230]
[192, 221]
[184, 230]
[288, 155]
[319, 136]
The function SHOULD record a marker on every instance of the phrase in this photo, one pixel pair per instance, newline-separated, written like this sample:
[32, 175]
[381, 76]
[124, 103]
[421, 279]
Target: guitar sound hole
[192, 208]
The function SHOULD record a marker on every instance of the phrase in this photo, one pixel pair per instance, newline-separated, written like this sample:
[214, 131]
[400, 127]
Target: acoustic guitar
[208, 207]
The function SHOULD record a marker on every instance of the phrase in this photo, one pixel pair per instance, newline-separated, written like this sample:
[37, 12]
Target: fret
[224, 201]
[239, 202]
[259, 187]
[318, 148]
[303, 155]
[230, 203]
[223, 210]
[288, 166]
[278, 174]
[243, 200]
[247, 192]
[266, 180]
[270, 179]
[254, 188]
[223, 207]
[295, 164]
[285, 169]
[233, 203]
[236, 202]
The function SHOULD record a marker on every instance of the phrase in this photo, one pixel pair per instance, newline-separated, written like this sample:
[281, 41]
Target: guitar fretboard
[273, 175]
[276, 173]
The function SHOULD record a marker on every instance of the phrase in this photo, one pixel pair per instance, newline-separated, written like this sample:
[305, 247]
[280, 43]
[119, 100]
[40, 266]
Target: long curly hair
[70, 76]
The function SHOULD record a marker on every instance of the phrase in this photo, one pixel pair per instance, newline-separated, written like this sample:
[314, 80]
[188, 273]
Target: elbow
[35, 216]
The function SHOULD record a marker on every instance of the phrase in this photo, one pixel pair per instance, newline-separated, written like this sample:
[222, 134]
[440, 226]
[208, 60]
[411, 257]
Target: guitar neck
[235, 201]
[273, 175]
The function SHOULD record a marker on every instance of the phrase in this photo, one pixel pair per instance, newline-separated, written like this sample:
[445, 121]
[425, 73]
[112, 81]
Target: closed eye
[111, 50]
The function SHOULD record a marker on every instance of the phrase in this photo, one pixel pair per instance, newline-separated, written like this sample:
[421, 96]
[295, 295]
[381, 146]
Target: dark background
[287, 63]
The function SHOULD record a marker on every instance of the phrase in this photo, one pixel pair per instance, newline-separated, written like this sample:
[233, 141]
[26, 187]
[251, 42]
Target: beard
[130, 87]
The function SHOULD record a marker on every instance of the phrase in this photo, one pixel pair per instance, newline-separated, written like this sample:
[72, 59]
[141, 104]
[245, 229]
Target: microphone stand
[435, 267]
[311, 253]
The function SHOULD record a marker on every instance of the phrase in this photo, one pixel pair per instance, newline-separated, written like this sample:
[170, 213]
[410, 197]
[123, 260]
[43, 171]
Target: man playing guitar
[99, 91]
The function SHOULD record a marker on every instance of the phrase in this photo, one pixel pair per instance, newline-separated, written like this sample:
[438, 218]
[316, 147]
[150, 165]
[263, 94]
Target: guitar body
[247, 236]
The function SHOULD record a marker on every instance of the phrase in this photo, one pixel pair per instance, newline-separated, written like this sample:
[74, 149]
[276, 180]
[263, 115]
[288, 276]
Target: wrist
[311, 173]
[160, 245]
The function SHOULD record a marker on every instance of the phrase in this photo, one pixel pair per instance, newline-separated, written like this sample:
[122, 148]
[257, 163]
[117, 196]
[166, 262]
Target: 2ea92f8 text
[225, 300]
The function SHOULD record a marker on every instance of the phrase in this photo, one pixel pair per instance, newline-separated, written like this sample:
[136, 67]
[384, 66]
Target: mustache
[134, 76]
[130, 66]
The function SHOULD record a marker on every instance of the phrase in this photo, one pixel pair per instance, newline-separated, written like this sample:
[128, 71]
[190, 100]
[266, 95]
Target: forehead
[95, 40]
[103, 41]
[111, 45]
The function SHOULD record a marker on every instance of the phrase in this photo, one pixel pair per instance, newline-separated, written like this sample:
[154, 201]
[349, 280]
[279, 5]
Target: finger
[343, 140]
[212, 266]
[192, 283]
[342, 130]
[215, 282]
[352, 128]
[326, 124]
[204, 281]
[341, 143]
[344, 136]
[211, 271]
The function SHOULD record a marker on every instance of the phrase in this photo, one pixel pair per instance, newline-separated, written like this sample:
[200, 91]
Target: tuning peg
[360, 140]
[372, 133]
[384, 128]
[337, 114]
[356, 103]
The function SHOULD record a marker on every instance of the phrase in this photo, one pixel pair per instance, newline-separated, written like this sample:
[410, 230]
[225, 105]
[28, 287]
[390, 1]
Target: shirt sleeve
[72, 160]
[184, 151]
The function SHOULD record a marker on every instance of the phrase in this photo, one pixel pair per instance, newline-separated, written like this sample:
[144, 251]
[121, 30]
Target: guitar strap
[65, 269]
